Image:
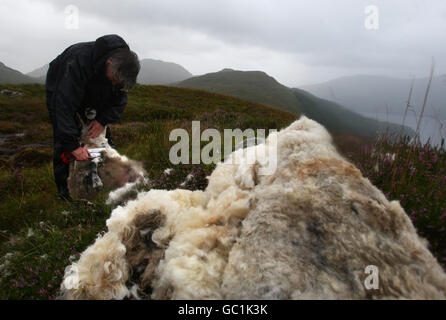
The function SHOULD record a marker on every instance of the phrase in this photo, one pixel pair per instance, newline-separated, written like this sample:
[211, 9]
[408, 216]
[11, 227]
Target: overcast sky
[296, 41]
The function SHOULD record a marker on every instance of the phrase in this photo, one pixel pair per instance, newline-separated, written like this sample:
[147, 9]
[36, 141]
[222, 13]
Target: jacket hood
[104, 47]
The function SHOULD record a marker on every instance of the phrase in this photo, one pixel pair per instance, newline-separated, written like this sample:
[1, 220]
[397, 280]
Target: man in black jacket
[93, 75]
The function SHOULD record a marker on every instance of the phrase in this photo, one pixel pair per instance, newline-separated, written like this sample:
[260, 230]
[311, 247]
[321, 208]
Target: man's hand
[95, 129]
[80, 154]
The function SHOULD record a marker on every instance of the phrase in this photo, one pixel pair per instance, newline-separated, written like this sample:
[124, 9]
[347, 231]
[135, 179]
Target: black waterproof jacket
[76, 80]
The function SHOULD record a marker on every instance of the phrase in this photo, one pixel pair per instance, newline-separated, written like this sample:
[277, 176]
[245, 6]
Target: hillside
[161, 72]
[39, 73]
[258, 86]
[9, 75]
[250, 85]
[379, 95]
[339, 119]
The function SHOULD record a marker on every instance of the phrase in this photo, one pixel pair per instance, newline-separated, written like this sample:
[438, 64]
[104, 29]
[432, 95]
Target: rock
[12, 93]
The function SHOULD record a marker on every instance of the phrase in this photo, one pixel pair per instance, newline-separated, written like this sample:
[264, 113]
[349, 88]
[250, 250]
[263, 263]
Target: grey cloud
[307, 35]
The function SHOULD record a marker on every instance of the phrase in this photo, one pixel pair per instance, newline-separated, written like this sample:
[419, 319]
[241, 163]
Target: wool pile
[307, 230]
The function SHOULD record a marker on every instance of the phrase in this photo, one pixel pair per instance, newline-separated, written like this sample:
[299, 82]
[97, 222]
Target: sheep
[308, 230]
[108, 170]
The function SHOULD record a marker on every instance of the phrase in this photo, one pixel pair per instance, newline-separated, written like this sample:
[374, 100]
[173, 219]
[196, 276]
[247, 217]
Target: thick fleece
[308, 230]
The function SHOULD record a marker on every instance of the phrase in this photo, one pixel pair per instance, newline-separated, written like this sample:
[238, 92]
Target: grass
[40, 236]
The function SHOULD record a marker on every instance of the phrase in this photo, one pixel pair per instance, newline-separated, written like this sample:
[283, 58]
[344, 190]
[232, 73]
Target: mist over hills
[339, 119]
[161, 72]
[39, 73]
[259, 87]
[380, 95]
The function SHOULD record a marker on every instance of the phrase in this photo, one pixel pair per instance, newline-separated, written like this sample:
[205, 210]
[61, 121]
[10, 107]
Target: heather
[414, 174]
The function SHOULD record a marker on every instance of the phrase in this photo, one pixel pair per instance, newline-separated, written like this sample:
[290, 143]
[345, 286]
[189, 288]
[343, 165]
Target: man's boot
[64, 194]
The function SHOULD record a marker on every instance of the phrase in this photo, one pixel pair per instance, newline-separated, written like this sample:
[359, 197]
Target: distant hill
[339, 119]
[381, 95]
[259, 87]
[152, 72]
[9, 75]
[160, 72]
[250, 85]
[39, 73]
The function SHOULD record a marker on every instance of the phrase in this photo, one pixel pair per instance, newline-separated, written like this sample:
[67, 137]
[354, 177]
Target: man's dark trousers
[60, 168]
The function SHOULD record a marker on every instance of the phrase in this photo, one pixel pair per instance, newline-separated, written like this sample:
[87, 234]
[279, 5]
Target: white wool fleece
[305, 231]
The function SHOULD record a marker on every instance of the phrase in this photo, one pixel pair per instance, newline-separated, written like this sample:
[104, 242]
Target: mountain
[39, 73]
[382, 95]
[339, 119]
[250, 85]
[161, 72]
[259, 87]
[9, 75]
[152, 72]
